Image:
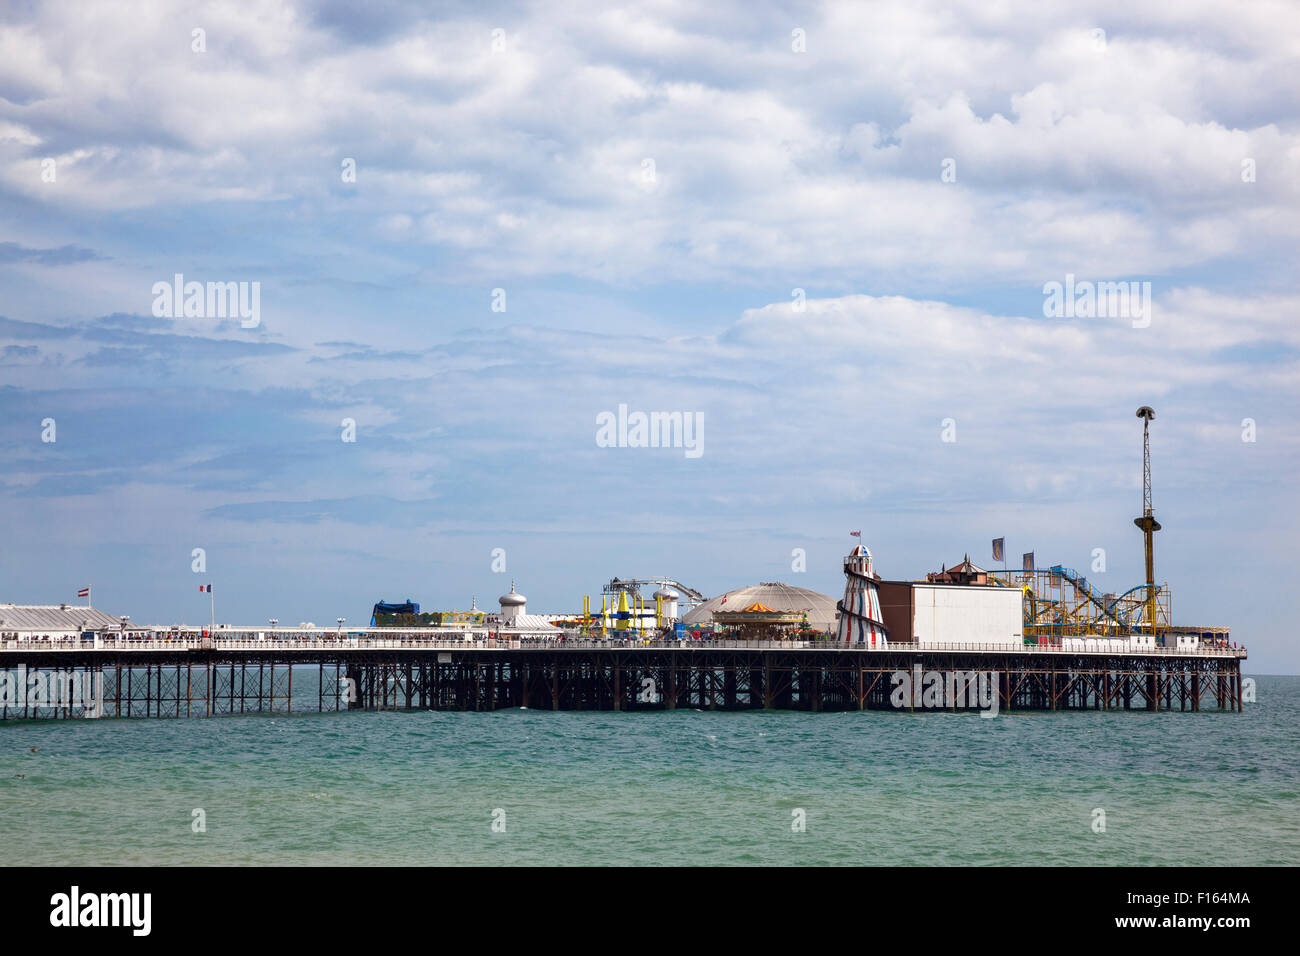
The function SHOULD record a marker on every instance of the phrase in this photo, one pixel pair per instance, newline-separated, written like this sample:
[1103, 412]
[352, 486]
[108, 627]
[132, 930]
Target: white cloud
[1117, 161]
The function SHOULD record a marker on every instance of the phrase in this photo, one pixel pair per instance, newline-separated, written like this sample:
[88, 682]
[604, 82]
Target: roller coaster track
[1081, 586]
[1116, 610]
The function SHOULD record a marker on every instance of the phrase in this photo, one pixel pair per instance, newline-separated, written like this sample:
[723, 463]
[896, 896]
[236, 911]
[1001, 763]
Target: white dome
[512, 599]
[668, 594]
[779, 597]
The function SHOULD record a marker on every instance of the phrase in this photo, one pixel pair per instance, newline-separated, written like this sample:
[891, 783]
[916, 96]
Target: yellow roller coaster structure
[1060, 602]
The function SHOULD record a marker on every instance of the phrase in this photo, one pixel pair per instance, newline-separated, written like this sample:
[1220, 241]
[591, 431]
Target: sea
[685, 787]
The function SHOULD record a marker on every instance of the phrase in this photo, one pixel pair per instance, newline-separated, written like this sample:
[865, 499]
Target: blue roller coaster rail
[1114, 610]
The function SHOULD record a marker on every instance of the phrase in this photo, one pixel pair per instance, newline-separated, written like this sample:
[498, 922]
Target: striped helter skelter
[860, 617]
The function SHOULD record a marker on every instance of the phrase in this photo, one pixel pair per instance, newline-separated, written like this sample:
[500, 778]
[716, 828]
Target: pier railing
[330, 642]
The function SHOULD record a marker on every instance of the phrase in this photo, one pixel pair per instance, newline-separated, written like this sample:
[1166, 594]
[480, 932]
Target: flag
[1029, 561]
[997, 549]
[205, 587]
[855, 534]
[84, 592]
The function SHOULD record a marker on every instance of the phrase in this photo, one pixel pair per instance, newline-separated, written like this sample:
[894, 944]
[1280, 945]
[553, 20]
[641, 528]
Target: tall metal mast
[1148, 522]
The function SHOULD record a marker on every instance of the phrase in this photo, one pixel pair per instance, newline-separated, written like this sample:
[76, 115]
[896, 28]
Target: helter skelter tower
[860, 617]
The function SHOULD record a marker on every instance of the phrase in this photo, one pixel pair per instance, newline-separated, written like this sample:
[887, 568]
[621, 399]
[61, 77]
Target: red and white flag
[855, 534]
[84, 592]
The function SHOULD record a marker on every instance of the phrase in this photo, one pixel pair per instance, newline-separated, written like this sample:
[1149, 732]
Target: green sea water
[682, 787]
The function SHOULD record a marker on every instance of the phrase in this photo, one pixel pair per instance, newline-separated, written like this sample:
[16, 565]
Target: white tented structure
[948, 614]
[860, 620]
[55, 622]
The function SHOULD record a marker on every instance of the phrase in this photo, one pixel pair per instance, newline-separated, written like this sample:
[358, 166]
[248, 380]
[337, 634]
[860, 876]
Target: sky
[823, 233]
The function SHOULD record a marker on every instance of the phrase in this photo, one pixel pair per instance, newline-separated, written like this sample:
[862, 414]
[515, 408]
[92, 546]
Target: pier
[189, 675]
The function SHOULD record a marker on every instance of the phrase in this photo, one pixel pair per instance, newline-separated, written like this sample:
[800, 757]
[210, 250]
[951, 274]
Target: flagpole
[212, 602]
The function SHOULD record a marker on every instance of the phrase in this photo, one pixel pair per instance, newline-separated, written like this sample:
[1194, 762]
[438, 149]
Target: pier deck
[194, 677]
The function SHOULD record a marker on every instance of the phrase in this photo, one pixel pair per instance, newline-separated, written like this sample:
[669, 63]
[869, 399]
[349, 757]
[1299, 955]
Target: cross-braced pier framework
[212, 683]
